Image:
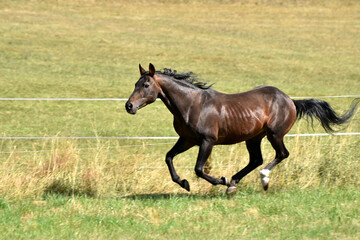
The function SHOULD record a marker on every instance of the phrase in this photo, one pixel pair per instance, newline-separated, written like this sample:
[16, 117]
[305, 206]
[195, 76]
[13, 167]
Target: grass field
[121, 189]
[251, 215]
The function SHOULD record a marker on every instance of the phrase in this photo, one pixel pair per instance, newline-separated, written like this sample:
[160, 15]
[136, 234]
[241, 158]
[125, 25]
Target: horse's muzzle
[130, 108]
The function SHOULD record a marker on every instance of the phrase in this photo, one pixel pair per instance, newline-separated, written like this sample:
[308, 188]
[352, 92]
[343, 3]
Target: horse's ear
[142, 70]
[151, 69]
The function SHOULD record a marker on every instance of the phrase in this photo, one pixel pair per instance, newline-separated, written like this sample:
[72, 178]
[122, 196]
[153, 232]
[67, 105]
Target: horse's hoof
[225, 181]
[231, 190]
[185, 184]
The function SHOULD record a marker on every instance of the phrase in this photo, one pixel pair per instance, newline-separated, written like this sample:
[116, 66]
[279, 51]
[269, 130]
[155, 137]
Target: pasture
[107, 188]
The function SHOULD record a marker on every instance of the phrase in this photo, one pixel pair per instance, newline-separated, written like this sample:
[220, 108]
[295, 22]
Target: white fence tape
[163, 138]
[122, 167]
[143, 145]
[87, 138]
[125, 99]
[321, 134]
[64, 99]
[96, 148]
[340, 96]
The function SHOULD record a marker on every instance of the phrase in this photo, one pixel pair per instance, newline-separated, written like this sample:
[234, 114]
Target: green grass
[110, 189]
[295, 214]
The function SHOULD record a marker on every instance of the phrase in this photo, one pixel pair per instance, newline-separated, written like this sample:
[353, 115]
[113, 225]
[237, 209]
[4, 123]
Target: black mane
[188, 77]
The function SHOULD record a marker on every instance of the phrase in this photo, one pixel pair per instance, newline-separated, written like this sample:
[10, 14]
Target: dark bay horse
[204, 117]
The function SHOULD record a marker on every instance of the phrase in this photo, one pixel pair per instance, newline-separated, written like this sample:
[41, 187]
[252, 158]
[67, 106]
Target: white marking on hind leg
[264, 175]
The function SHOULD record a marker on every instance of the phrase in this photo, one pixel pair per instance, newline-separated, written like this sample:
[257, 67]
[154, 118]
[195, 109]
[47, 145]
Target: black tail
[322, 111]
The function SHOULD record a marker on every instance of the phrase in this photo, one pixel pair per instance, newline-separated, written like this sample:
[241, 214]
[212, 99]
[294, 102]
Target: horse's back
[263, 91]
[248, 114]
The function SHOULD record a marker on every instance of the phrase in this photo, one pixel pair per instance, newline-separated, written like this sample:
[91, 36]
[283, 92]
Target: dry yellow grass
[112, 170]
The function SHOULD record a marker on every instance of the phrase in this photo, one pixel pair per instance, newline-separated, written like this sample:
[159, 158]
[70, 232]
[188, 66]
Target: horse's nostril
[128, 106]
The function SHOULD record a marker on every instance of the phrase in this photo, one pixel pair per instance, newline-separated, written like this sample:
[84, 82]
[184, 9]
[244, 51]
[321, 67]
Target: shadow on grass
[161, 196]
[158, 196]
[64, 188]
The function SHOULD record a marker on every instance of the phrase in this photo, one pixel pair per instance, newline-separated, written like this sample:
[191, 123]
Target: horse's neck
[177, 98]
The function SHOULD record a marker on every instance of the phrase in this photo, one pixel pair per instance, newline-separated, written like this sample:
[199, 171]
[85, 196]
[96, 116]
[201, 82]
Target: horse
[205, 117]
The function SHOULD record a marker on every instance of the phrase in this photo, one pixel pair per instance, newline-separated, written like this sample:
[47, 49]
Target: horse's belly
[232, 139]
[240, 130]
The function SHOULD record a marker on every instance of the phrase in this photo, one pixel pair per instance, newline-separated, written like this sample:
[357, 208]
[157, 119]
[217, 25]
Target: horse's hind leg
[253, 146]
[277, 143]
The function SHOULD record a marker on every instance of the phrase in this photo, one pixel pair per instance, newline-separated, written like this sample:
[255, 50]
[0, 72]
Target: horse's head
[146, 90]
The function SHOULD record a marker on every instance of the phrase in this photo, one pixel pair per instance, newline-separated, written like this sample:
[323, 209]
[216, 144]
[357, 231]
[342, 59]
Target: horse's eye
[146, 85]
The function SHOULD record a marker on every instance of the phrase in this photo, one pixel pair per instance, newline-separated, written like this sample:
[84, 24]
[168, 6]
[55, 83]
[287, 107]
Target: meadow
[120, 189]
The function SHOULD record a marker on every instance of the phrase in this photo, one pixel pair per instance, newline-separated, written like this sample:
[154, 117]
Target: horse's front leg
[181, 146]
[204, 153]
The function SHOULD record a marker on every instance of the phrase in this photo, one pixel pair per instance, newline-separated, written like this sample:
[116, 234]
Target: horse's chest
[183, 129]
